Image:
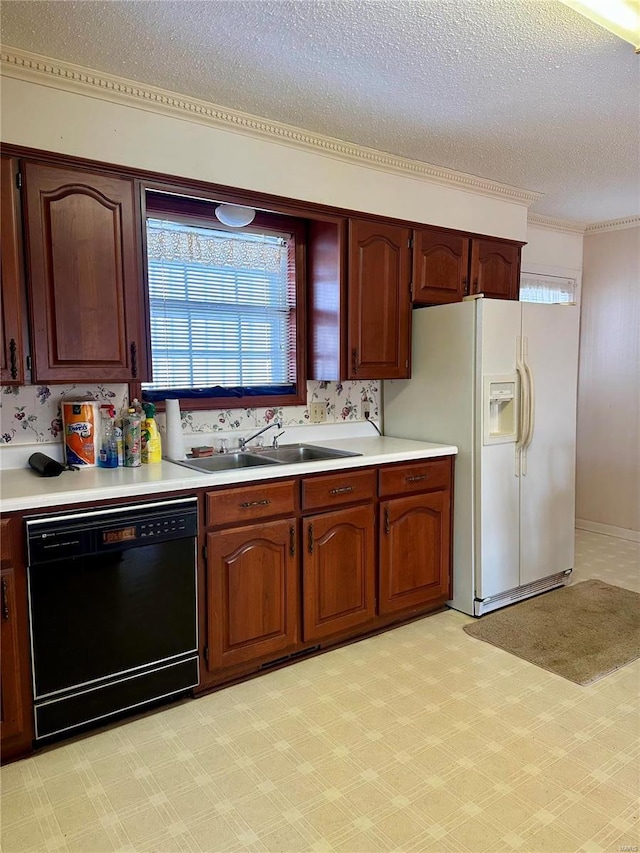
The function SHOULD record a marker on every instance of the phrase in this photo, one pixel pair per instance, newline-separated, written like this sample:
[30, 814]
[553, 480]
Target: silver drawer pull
[263, 502]
[416, 478]
[343, 490]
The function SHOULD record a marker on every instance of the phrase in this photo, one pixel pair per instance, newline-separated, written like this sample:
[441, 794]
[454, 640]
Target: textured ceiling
[524, 92]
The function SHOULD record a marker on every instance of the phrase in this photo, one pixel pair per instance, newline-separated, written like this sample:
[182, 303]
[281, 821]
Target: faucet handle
[274, 443]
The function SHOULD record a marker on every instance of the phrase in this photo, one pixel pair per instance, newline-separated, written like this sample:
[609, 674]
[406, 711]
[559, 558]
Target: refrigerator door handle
[531, 405]
[523, 415]
[523, 409]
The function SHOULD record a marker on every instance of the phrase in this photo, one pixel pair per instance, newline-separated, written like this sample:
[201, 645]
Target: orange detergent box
[79, 423]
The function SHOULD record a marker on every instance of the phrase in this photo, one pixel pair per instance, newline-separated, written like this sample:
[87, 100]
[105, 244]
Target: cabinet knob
[465, 286]
[13, 363]
[5, 601]
[134, 358]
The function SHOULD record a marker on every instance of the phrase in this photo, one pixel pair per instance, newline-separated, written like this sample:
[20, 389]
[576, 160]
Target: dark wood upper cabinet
[11, 271]
[359, 299]
[448, 266]
[379, 277]
[85, 293]
[440, 267]
[495, 268]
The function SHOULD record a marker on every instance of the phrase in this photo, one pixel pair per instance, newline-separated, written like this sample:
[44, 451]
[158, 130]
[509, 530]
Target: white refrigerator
[498, 379]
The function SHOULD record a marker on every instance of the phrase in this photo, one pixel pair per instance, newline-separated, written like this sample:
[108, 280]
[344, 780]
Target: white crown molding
[556, 224]
[32, 68]
[613, 225]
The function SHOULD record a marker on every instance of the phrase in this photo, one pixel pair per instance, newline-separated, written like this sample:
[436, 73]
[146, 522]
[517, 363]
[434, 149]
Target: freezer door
[547, 484]
[497, 486]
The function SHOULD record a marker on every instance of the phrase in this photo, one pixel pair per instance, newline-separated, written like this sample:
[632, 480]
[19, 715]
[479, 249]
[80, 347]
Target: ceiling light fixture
[620, 17]
[234, 215]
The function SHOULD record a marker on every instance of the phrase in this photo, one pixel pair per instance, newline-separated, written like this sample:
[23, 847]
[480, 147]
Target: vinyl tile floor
[420, 739]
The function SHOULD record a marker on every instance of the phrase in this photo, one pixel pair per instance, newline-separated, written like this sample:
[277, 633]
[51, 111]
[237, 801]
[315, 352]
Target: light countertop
[23, 489]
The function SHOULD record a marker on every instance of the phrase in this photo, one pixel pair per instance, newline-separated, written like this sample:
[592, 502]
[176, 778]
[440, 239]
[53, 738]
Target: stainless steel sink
[290, 453]
[226, 462]
[285, 455]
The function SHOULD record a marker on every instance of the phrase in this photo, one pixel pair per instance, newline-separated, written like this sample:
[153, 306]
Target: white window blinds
[222, 307]
[546, 288]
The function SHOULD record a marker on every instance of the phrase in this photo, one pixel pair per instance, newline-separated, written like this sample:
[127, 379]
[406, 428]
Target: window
[547, 289]
[223, 306]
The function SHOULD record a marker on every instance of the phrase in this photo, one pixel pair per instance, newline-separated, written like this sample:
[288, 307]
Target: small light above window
[234, 215]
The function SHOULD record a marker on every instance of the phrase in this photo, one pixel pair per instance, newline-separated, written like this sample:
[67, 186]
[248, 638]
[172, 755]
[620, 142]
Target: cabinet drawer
[419, 476]
[338, 489]
[5, 542]
[246, 503]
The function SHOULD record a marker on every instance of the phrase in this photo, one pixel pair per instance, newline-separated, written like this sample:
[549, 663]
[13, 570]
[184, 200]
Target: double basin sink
[288, 454]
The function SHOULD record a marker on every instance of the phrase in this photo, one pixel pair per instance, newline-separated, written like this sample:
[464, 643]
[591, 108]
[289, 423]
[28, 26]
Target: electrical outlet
[317, 413]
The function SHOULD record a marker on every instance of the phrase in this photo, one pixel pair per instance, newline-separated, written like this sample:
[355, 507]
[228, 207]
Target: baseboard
[608, 530]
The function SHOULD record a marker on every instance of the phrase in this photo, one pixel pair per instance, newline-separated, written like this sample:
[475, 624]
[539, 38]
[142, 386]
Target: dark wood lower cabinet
[252, 592]
[12, 712]
[281, 588]
[16, 716]
[414, 551]
[338, 571]
[275, 587]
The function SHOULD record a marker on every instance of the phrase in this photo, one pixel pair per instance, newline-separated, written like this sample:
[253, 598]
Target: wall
[552, 251]
[155, 133]
[31, 414]
[608, 472]
[59, 109]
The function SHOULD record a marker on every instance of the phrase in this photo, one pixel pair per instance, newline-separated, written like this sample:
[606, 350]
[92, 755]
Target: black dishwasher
[113, 610]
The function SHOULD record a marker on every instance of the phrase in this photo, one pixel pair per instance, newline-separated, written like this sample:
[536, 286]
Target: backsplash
[31, 413]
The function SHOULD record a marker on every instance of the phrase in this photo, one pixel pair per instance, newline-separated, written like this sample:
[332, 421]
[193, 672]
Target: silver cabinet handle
[416, 478]
[343, 490]
[263, 502]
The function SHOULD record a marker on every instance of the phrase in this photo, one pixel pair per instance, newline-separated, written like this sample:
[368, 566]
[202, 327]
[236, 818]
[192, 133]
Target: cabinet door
[415, 564]
[338, 574]
[11, 722]
[379, 300]
[495, 269]
[252, 592]
[11, 350]
[85, 289]
[440, 267]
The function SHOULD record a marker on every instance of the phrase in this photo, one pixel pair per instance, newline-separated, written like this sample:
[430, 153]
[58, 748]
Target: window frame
[199, 211]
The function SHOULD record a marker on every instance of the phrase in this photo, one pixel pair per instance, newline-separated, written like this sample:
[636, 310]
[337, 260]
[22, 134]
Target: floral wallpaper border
[31, 413]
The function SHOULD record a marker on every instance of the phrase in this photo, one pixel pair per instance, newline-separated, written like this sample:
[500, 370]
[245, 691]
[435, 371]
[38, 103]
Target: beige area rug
[580, 632]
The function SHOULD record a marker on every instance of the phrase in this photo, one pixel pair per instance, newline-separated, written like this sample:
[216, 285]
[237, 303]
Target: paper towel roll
[174, 444]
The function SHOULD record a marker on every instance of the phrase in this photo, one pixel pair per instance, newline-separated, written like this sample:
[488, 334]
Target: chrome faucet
[274, 443]
[242, 442]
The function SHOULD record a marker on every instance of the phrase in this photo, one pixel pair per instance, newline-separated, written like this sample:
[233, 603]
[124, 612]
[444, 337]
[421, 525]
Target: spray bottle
[151, 447]
[108, 453]
[132, 428]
